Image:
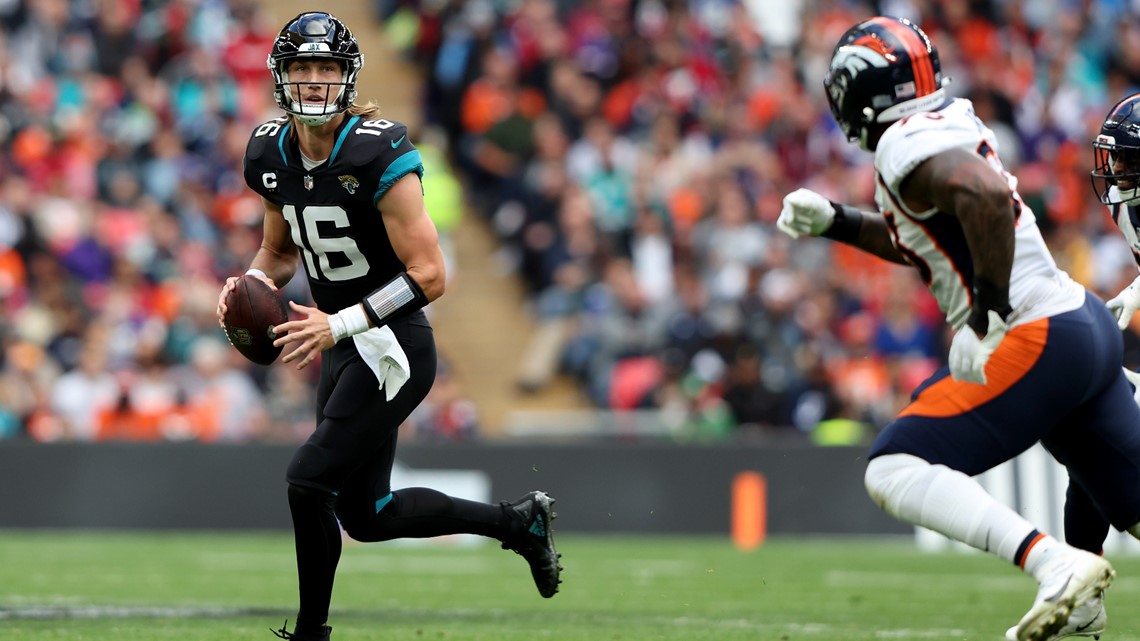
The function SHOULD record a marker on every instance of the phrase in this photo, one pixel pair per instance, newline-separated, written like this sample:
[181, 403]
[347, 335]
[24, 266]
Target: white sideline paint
[1034, 485]
[1013, 582]
[826, 631]
[125, 612]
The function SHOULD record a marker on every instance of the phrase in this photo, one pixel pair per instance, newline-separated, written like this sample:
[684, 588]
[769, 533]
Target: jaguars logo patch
[350, 183]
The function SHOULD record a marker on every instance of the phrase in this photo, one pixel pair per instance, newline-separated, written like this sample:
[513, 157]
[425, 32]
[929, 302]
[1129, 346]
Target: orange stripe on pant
[1014, 357]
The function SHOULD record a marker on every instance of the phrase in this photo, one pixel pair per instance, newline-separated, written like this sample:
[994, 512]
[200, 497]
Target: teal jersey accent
[284, 135]
[341, 137]
[400, 167]
[380, 503]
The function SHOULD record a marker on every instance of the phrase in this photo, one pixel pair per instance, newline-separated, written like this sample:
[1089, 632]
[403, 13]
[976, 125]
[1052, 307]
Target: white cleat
[1087, 620]
[1074, 587]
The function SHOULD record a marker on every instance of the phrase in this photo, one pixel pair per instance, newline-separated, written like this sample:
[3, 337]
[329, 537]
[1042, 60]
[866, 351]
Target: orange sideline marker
[749, 510]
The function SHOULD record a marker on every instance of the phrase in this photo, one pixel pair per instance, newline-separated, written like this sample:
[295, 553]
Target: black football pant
[343, 472]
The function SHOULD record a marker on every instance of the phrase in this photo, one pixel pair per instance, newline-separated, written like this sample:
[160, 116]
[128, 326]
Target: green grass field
[99, 586]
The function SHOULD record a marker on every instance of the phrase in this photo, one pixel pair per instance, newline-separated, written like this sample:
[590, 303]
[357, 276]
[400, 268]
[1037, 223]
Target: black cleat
[535, 540]
[293, 636]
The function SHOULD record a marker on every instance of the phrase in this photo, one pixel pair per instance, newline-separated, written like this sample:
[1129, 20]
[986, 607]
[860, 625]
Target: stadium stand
[631, 158]
[622, 161]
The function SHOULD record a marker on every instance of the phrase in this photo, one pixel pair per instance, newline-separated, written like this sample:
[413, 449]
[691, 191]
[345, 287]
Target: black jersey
[331, 209]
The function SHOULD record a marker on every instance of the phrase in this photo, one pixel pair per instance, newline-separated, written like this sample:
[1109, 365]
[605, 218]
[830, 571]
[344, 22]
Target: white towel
[380, 349]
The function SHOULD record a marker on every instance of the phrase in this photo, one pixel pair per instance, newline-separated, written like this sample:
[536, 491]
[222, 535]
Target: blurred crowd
[631, 156]
[122, 209]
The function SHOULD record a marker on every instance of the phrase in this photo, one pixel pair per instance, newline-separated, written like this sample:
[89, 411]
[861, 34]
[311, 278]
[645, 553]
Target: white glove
[805, 212]
[969, 354]
[1125, 304]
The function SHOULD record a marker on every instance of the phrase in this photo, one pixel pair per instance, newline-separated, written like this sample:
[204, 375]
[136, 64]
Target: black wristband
[845, 227]
[987, 295]
[397, 298]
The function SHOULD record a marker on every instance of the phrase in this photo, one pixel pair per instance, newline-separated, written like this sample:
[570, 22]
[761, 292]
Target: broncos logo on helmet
[874, 43]
[1116, 154]
[882, 70]
[322, 36]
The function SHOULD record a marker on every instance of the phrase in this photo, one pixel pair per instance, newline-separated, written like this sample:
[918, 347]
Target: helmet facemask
[1116, 172]
[293, 96]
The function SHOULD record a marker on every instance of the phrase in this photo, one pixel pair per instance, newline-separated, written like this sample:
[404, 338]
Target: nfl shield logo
[308, 182]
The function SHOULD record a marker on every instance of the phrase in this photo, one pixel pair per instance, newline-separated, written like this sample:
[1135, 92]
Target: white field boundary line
[131, 612]
[1004, 579]
[811, 630]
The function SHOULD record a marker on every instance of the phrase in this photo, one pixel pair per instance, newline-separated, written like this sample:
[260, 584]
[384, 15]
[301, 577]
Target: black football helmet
[1116, 154]
[315, 35]
[882, 69]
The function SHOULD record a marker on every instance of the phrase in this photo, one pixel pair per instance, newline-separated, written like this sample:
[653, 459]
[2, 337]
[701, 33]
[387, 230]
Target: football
[253, 309]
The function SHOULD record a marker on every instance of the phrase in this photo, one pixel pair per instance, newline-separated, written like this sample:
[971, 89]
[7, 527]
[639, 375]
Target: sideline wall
[600, 488]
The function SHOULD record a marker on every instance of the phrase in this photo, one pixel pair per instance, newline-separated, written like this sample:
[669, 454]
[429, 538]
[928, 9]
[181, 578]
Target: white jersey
[1127, 218]
[934, 241]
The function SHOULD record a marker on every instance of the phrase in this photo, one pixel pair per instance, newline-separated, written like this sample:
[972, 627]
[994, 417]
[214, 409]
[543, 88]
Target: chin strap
[314, 121]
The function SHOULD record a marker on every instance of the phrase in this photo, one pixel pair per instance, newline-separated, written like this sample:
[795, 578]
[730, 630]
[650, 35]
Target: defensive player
[342, 195]
[1116, 180]
[1035, 356]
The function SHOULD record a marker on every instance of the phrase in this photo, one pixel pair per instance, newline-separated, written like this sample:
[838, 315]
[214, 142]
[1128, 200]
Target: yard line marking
[820, 630]
[131, 612]
[1009, 582]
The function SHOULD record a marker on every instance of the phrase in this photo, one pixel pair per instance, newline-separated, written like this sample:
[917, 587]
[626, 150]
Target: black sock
[317, 537]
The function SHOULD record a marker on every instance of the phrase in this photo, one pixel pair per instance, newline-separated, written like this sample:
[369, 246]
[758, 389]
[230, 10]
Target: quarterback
[342, 195]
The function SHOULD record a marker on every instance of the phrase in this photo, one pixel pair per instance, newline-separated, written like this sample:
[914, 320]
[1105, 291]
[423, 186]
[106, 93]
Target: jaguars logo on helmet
[322, 36]
[882, 70]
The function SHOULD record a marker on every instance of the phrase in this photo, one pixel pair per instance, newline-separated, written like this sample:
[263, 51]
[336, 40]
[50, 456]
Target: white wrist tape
[348, 322]
[253, 271]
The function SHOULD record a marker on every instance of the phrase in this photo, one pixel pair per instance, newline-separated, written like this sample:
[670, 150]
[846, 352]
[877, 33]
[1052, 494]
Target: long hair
[367, 111]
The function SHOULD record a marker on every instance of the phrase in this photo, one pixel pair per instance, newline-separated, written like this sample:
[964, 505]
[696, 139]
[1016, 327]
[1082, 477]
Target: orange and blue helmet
[1116, 154]
[883, 69]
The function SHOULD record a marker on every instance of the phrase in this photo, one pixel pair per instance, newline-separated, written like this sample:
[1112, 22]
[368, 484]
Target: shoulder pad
[912, 140]
[265, 138]
[375, 142]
